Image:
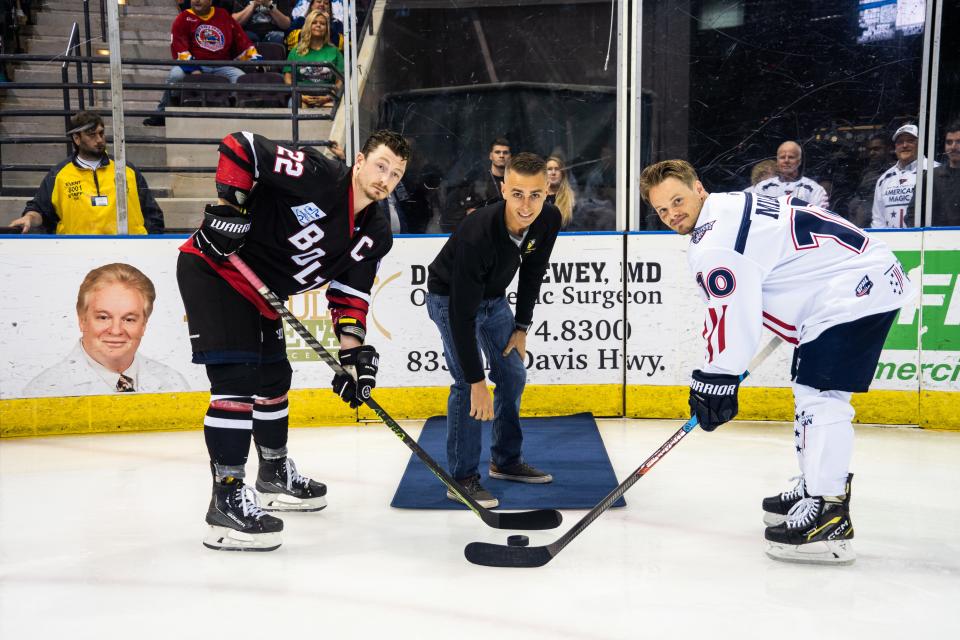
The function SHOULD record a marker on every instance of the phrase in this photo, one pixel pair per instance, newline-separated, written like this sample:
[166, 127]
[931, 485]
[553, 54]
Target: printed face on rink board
[524, 196]
[377, 174]
[112, 325]
[677, 204]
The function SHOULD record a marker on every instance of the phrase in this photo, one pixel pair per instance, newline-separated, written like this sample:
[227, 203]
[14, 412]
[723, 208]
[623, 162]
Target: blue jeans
[495, 324]
[177, 75]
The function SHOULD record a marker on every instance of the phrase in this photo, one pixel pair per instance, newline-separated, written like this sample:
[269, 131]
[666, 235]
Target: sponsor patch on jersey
[307, 213]
[698, 233]
[209, 37]
[863, 289]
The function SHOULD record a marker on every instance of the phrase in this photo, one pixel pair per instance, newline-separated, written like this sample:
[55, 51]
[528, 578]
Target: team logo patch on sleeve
[307, 213]
[863, 289]
[697, 234]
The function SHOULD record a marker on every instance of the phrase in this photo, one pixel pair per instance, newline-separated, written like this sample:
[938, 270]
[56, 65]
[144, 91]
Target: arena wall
[616, 332]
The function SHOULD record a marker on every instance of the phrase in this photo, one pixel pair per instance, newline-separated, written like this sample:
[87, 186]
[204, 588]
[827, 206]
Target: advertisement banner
[589, 326]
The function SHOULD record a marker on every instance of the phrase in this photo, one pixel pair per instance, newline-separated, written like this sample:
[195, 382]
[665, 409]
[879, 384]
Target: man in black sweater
[467, 300]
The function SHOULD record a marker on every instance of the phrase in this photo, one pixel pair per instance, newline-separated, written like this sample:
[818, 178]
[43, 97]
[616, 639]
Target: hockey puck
[518, 541]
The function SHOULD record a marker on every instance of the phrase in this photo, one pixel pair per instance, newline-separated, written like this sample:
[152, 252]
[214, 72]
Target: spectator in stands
[559, 192]
[316, 48]
[789, 182]
[299, 15]
[78, 196]
[263, 20]
[763, 170]
[945, 201]
[879, 154]
[413, 205]
[895, 188]
[596, 209]
[204, 32]
[482, 185]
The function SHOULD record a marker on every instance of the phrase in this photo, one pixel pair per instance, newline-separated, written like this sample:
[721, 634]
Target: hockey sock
[270, 425]
[226, 429]
[824, 438]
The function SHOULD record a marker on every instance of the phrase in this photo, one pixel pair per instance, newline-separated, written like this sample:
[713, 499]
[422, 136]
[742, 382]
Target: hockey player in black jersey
[300, 221]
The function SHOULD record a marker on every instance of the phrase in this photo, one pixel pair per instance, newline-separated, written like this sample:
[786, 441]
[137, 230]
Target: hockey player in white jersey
[789, 182]
[822, 285]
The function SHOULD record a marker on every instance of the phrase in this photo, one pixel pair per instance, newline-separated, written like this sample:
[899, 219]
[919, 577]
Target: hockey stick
[495, 555]
[524, 520]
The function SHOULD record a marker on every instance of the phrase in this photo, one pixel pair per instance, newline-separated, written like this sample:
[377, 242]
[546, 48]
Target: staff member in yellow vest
[78, 196]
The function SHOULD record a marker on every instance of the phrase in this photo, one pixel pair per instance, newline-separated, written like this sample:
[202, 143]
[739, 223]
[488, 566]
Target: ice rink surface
[100, 537]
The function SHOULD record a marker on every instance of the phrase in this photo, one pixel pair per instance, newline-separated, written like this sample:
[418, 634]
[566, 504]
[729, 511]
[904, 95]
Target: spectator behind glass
[263, 20]
[315, 48]
[299, 15]
[559, 191]
[879, 155]
[946, 181]
[204, 32]
[763, 170]
[789, 181]
[596, 210]
[893, 195]
[78, 196]
[482, 185]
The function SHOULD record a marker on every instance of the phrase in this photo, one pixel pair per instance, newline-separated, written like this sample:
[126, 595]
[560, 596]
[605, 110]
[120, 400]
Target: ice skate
[281, 488]
[237, 523]
[818, 530]
[775, 508]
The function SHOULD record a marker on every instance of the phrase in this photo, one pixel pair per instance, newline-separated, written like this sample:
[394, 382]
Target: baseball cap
[907, 128]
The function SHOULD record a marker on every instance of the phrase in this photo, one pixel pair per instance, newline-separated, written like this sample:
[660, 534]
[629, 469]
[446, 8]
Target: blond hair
[116, 273]
[657, 173]
[306, 35]
[566, 199]
[763, 170]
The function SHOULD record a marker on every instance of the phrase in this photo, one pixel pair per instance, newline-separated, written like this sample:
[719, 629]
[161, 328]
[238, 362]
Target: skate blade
[838, 552]
[773, 519]
[284, 502]
[226, 539]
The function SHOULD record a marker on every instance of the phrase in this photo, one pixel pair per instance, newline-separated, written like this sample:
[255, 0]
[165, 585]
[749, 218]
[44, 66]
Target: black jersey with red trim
[303, 232]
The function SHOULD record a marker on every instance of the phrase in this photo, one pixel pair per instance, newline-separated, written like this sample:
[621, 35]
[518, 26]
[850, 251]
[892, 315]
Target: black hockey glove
[361, 364]
[713, 398]
[222, 231]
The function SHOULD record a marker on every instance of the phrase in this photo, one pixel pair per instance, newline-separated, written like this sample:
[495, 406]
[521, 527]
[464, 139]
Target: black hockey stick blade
[495, 555]
[522, 520]
[527, 520]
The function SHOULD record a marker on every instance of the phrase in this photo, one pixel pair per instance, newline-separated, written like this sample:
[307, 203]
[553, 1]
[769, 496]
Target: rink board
[597, 343]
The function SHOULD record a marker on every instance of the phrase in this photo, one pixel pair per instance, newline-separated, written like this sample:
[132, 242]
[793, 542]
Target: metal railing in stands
[293, 90]
[72, 56]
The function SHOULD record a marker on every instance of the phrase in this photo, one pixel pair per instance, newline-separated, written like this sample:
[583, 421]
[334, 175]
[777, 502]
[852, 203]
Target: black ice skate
[237, 523]
[775, 508]
[818, 530]
[283, 489]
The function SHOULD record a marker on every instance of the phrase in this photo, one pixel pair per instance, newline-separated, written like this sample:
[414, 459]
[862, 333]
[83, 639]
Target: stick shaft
[500, 556]
[491, 518]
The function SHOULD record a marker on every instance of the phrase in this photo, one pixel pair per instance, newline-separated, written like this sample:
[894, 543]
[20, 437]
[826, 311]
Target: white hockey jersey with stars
[803, 188]
[786, 265]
